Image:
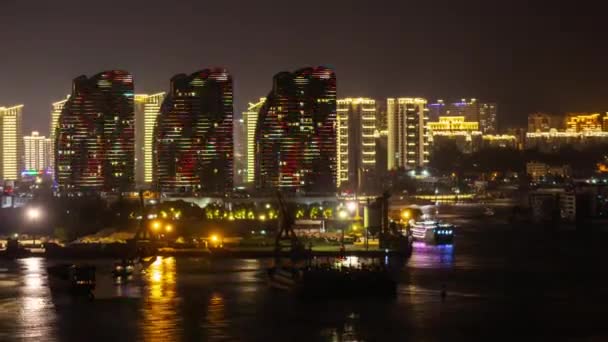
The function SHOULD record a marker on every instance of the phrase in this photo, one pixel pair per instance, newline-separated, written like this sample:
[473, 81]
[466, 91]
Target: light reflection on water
[432, 256]
[36, 313]
[160, 315]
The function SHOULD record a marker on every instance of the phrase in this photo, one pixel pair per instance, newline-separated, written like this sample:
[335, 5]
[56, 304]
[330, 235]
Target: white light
[33, 213]
[351, 206]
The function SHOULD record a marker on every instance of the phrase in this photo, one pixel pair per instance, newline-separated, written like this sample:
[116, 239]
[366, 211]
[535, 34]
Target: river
[503, 282]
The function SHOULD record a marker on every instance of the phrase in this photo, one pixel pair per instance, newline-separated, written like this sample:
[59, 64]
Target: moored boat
[433, 232]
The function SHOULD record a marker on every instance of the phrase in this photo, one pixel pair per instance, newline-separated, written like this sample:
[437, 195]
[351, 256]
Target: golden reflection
[160, 303]
[215, 320]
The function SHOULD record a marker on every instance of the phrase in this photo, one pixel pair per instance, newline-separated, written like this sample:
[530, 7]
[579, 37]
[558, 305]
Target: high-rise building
[408, 144]
[543, 122]
[454, 129]
[55, 113]
[240, 152]
[488, 120]
[467, 108]
[250, 118]
[11, 142]
[356, 141]
[472, 110]
[95, 143]
[193, 137]
[436, 110]
[381, 152]
[37, 152]
[147, 108]
[296, 133]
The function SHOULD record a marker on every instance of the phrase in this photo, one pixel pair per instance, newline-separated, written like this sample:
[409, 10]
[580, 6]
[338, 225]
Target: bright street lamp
[33, 213]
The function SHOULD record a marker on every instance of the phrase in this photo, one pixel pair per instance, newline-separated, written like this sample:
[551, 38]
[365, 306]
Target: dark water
[503, 283]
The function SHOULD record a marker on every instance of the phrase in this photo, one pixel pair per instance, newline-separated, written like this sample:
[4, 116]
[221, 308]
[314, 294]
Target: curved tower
[193, 134]
[296, 133]
[95, 135]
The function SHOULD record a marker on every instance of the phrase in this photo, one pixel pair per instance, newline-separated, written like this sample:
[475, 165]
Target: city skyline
[548, 62]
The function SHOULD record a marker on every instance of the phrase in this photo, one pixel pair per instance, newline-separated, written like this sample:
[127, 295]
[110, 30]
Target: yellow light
[262, 217]
[169, 228]
[342, 214]
[406, 214]
[214, 238]
[156, 225]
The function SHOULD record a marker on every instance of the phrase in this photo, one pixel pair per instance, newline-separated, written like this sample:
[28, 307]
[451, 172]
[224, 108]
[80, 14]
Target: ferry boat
[433, 232]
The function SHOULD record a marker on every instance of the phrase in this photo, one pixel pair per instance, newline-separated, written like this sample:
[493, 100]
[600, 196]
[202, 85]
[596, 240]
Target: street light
[351, 206]
[155, 225]
[169, 228]
[33, 215]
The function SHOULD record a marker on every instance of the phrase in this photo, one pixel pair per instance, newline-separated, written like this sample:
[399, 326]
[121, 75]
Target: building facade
[194, 134]
[296, 132]
[454, 129]
[408, 142]
[437, 109]
[147, 108]
[554, 140]
[499, 141]
[55, 113]
[250, 118]
[488, 118]
[11, 143]
[543, 122]
[37, 152]
[585, 122]
[356, 141]
[95, 141]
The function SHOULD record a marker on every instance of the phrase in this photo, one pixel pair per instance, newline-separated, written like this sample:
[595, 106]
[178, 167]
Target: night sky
[527, 57]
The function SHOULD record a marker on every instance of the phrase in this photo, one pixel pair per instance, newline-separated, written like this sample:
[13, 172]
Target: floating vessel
[78, 280]
[433, 232]
[296, 273]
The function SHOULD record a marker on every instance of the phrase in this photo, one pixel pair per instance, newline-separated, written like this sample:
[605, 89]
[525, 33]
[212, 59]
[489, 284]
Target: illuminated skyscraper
[251, 120]
[11, 142]
[356, 141]
[147, 108]
[408, 145]
[193, 136]
[296, 133]
[55, 113]
[488, 120]
[37, 152]
[95, 138]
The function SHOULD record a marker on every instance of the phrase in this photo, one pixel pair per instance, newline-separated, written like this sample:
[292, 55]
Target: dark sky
[526, 55]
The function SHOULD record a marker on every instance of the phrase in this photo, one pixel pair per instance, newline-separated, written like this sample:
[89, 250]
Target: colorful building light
[95, 135]
[193, 137]
[296, 133]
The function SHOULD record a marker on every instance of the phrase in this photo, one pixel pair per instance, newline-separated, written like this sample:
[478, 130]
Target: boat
[293, 270]
[123, 268]
[433, 232]
[77, 280]
[127, 267]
